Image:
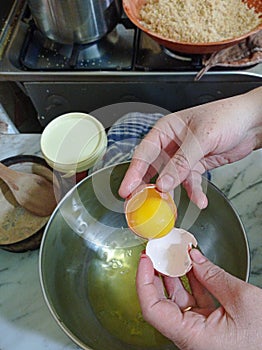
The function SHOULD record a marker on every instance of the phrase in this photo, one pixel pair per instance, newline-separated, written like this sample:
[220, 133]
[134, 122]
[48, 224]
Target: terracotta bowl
[132, 9]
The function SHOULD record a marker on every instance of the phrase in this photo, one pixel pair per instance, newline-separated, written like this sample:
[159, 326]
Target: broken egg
[170, 254]
[150, 213]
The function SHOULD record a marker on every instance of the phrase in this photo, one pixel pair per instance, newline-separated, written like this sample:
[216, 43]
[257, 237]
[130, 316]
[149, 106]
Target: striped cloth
[124, 135]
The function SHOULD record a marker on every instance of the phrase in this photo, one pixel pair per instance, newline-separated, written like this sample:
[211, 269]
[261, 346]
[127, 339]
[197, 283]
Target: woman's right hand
[235, 325]
[185, 144]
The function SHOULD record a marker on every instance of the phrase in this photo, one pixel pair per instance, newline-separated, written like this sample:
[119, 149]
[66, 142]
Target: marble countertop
[25, 321]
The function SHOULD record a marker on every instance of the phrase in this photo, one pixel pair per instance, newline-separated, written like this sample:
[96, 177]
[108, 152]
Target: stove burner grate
[113, 52]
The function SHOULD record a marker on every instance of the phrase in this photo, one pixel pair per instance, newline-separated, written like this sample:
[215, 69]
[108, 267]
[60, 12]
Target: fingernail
[166, 183]
[202, 205]
[203, 202]
[197, 257]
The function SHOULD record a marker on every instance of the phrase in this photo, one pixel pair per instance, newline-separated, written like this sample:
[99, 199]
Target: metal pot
[75, 21]
[88, 260]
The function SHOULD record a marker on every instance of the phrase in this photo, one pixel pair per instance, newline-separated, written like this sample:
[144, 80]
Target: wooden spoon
[33, 192]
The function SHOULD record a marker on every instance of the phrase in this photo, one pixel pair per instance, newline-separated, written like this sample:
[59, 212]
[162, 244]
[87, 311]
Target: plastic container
[73, 143]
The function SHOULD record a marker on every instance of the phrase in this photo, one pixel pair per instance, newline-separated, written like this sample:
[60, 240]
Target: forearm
[254, 103]
[245, 112]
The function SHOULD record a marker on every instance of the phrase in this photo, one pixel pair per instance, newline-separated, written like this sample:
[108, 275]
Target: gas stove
[126, 66]
[124, 49]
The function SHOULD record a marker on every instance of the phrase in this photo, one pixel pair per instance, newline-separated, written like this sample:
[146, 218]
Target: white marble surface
[6, 125]
[25, 322]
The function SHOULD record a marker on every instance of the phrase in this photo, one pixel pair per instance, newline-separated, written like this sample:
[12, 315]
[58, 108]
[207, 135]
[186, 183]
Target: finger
[147, 283]
[223, 286]
[153, 170]
[159, 146]
[145, 155]
[147, 274]
[158, 283]
[178, 294]
[161, 313]
[204, 300]
[133, 178]
[181, 164]
[193, 187]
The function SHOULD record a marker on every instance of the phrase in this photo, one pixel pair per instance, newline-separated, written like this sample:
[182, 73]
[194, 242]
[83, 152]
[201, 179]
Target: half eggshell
[170, 254]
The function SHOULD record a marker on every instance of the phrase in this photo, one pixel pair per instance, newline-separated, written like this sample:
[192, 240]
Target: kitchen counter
[25, 321]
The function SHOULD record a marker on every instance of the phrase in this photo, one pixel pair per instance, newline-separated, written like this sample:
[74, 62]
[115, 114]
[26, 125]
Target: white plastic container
[73, 142]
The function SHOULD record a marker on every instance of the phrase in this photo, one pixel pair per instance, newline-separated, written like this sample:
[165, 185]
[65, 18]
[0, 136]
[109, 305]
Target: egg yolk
[150, 215]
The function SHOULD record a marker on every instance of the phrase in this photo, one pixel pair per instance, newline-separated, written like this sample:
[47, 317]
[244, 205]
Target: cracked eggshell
[170, 254]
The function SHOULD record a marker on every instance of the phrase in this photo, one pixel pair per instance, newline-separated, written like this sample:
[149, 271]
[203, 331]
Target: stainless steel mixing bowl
[88, 260]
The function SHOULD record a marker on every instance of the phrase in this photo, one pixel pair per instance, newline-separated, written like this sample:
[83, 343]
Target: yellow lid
[73, 142]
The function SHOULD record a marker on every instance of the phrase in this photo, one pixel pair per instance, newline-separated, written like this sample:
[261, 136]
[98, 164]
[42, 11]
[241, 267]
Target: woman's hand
[185, 144]
[236, 324]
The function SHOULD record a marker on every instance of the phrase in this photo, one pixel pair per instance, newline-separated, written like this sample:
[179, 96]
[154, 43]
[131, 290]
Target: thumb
[223, 286]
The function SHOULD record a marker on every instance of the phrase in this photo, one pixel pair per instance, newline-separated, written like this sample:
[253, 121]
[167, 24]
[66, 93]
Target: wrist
[254, 104]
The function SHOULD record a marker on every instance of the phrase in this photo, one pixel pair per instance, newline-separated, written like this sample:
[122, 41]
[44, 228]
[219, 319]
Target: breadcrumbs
[199, 21]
